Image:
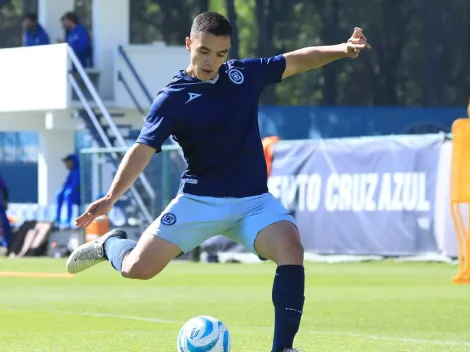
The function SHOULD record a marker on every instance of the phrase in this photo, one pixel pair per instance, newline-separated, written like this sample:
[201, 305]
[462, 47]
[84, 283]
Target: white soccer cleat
[90, 253]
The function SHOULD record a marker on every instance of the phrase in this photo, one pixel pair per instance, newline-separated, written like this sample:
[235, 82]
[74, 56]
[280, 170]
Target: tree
[232, 17]
[419, 55]
[11, 12]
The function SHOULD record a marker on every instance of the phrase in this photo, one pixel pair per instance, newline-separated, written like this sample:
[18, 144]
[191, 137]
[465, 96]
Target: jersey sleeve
[267, 70]
[159, 124]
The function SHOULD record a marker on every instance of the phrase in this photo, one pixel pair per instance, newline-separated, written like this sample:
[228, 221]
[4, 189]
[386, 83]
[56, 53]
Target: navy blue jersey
[216, 124]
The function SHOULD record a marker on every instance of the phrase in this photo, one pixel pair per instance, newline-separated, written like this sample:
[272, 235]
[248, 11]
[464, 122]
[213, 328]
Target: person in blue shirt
[70, 191]
[34, 33]
[77, 36]
[4, 221]
[211, 110]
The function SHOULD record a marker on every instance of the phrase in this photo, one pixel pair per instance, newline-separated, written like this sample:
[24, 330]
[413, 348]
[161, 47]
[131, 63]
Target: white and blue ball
[204, 334]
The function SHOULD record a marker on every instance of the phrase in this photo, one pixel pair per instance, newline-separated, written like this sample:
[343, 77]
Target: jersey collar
[184, 75]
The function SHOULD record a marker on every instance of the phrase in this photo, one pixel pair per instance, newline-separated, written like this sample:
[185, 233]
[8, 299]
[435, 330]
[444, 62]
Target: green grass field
[349, 307]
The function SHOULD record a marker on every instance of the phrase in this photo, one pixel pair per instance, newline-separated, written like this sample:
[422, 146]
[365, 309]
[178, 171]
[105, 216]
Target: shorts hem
[183, 251]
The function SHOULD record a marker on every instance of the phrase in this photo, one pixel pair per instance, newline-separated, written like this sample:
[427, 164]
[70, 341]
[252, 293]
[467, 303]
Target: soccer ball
[204, 334]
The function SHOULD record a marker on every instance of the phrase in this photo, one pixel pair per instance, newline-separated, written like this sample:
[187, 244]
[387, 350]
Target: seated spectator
[5, 228]
[34, 33]
[77, 36]
[70, 192]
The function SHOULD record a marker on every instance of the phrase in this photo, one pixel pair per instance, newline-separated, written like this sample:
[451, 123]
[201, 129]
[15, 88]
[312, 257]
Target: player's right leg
[186, 222]
[134, 260]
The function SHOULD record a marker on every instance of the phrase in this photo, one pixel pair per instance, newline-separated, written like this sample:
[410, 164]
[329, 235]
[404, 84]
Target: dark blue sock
[288, 300]
[116, 248]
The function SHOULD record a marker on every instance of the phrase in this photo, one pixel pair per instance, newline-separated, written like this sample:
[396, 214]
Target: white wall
[49, 14]
[34, 78]
[156, 64]
[37, 121]
[56, 131]
[42, 84]
[54, 145]
[110, 29]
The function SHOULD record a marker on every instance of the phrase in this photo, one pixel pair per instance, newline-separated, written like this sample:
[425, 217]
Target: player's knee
[288, 249]
[135, 268]
[281, 243]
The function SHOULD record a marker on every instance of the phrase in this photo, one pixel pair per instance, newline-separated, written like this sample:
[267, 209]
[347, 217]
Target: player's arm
[310, 58]
[132, 165]
[157, 128]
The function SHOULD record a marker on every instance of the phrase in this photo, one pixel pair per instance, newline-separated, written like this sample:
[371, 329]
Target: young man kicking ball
[211, 110]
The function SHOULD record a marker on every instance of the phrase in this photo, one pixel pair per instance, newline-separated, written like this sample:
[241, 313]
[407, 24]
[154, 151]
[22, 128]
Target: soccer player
[211, 110]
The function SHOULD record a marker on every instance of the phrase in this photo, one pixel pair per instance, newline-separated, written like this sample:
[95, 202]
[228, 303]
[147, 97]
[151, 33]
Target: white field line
[105, 315]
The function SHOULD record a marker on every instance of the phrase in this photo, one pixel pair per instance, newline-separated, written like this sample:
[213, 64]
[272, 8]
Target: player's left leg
[268, 230]
[280, 242]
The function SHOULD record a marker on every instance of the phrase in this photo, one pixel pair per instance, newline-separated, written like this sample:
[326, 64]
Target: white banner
[444, 228]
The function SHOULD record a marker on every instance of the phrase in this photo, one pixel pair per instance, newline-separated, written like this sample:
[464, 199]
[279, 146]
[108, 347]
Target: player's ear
[188, 43]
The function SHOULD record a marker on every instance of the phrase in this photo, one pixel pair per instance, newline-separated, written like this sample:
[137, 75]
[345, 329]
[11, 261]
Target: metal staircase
[106, 130]
[144, 90]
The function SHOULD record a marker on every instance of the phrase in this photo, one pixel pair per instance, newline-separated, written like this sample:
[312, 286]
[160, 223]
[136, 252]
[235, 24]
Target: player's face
[208, 53]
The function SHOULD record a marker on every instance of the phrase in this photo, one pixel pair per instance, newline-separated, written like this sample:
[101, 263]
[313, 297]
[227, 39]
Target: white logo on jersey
[193, 96]
[236, 76]
[230, 66]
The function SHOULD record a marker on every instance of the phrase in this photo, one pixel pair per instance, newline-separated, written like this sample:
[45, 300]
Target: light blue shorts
[190, 220]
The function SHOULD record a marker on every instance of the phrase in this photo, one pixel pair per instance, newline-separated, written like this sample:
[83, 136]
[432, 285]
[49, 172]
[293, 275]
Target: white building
[38, 92]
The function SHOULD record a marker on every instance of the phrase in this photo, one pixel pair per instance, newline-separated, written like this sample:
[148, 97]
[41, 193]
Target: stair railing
[143, 88]
[81, 71]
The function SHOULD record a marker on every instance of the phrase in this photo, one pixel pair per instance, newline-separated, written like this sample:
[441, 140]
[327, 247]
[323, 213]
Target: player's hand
[356, 43]
[100, 207]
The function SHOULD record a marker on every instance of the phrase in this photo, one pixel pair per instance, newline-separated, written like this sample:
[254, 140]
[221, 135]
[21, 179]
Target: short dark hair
[31, 16]
[211, 22]
[72, 16]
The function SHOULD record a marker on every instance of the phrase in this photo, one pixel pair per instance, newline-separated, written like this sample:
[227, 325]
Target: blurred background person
[34, 33]
[70, 191]
[77, 36]
[6, 233]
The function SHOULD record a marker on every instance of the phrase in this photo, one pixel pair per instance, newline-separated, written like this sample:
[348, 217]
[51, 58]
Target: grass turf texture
[349, 307]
